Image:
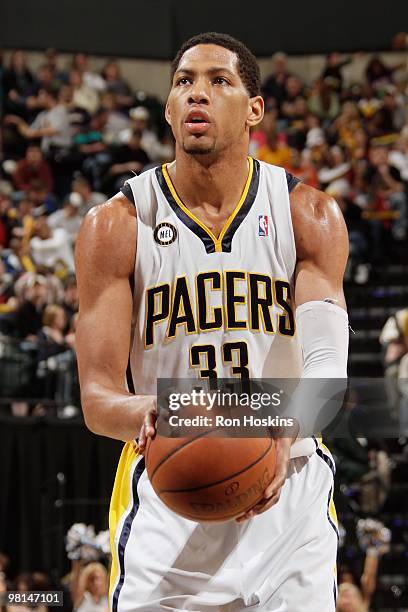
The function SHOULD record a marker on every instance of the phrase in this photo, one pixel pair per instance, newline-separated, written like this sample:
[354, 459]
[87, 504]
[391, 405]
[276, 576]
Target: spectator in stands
[90, 590]
[273, 87]
[386, 188]
[393, 111]
[51, 338]
[347, 124]
[7, 301]
[51, 248]
[324, 101]
[115, 121]
[33, 167]
[18, 84]
[300, 166]
[37, 194]
[333, 70]
[335, 168]
[83, 96]
[274, 151]
[95, 153]
[70, 303]
[28, 316]
[398, 156]
[353, 598]
[68, 218]
[127, 160]
[59, 76]
[6, 220]
[368, 102]
[293, 91]
[394, 342]
[156, 150]
[358, 231]
[92, 80]
[17, 258]
[378, 74]
[117, 85]
[51, 125]
[89, 198]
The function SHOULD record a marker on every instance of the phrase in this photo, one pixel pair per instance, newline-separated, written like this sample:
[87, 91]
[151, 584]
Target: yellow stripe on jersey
[120, 503]
[217, 241]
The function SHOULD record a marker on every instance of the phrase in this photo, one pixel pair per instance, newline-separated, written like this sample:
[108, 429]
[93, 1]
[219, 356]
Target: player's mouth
[197, 122]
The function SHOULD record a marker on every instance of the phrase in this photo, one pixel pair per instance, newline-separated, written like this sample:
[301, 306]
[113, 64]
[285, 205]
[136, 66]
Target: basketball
[209, 477]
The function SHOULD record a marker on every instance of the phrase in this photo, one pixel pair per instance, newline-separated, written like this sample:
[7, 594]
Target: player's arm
[322, 250]
[321, 246]
[105, 256]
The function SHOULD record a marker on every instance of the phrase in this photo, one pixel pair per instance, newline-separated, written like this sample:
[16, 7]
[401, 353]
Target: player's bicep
[313, 283]
[105, 254]
[321, 246]
[103, 336]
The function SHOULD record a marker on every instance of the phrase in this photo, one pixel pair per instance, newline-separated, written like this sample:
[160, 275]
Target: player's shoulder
[108, 232]
[110, 216]
[313, 206]
[136, 184]
[318, 223]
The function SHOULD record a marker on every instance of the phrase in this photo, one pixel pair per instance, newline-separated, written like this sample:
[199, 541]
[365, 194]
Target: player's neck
[218, 184]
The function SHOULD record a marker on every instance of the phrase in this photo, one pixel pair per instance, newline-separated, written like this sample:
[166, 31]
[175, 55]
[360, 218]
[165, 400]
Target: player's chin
[201, 149]
[198, 145]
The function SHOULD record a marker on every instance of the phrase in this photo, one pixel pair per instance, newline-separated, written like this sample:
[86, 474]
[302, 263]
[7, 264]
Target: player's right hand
[148, 428]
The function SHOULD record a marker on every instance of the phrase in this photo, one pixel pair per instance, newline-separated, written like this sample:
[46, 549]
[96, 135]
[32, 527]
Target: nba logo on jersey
[262, 225]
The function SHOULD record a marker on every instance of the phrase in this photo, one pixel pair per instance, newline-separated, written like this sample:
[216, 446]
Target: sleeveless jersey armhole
[291, 180]
[127, 191]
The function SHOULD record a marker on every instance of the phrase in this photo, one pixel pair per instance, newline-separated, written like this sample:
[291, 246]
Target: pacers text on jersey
[249, 301]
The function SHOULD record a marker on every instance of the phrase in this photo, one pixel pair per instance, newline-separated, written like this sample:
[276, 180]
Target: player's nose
[198, 93]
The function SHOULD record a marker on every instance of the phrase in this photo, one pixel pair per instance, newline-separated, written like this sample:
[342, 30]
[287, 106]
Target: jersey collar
[211, 243]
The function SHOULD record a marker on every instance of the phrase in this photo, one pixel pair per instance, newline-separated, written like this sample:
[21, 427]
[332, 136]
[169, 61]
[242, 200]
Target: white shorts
[283, 560]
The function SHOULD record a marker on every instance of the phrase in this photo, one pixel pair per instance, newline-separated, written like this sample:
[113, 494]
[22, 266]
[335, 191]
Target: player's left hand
[273, 490]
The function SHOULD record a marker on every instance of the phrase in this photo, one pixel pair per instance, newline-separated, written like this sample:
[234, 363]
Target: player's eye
[183, 81]
[220, 81]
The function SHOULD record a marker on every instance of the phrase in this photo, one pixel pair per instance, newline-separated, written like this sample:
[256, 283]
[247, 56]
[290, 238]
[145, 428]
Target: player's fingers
[259, 509]
[149, 424]
[141, 441]
[244, 517]
[276, 484]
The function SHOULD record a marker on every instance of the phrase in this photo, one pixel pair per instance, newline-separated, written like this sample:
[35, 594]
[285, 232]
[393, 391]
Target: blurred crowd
[348, 139]
[70, 137]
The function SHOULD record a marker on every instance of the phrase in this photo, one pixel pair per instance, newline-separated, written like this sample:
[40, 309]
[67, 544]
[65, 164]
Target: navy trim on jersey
[188, 221]
[291, 180]
[336, 531]
[200, 232]
[125, 533]
[244, 210]
[127, 191]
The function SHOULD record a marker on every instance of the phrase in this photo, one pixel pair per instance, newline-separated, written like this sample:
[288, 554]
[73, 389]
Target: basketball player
[201, 268]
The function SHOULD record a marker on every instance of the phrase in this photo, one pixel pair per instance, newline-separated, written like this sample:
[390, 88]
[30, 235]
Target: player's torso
[204, 305]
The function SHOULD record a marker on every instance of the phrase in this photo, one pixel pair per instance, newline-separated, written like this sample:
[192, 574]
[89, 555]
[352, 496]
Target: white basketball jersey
[207, 306]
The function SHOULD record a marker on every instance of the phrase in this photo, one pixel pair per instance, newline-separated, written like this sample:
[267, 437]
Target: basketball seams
[229, 477]
[176, 450]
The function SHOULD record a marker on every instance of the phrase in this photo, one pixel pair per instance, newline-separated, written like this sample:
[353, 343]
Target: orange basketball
[208, 477]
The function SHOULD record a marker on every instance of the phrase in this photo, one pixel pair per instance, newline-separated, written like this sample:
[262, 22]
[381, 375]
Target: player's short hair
[247, 65]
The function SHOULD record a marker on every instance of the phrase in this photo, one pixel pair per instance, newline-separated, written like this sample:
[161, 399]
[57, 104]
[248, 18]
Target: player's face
[209, 108]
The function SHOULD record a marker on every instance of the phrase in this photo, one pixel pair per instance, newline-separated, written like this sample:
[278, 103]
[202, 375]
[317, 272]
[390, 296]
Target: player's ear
[167, 113]
[256, 111]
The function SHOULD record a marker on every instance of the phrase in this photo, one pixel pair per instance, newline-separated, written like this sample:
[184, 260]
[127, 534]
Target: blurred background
[82, 89]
